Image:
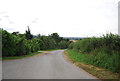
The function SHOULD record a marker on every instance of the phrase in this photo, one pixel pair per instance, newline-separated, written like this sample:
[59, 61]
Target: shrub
[63, 44]
[102, 52]
[17, 45]
[8, 44]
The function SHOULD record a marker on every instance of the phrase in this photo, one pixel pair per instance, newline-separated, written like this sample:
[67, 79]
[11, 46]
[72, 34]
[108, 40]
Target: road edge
[87, 67]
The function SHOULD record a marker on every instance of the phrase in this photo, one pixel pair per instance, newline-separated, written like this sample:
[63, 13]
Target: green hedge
[101, 51]
[15, 44]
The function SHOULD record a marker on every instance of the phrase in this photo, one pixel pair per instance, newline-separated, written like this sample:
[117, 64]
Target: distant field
[73, 40]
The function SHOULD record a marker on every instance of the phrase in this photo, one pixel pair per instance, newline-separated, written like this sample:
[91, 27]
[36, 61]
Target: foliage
[8, 44]
[102, 52]
[28, 34]
[20, 46]
[46, 42]
[52, 41]
[16, 44]
[56, 37]
[63, 44]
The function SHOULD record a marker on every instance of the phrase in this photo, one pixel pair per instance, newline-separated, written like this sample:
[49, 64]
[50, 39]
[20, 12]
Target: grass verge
[19, 57]
[78, 60]
[50, 49]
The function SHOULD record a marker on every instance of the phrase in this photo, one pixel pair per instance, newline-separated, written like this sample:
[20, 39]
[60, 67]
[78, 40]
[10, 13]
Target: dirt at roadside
[95, 71]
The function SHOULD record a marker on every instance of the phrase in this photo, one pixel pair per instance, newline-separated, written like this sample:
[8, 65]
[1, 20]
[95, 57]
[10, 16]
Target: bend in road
[51, 65]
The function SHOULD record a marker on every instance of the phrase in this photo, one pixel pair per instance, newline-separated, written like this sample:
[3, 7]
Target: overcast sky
[69, 18]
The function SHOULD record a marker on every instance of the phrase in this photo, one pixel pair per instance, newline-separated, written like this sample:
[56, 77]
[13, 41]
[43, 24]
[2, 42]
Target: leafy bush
[34, 45]
[46, 42]
[20, 46]
[52, 42]
[8, 44]
[63, 44]
[15, 45]
[102, 52]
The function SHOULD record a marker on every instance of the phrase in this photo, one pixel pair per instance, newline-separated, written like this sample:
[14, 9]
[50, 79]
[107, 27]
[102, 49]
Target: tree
[15, 33]
[20, 46]
[56, 37]
[28, 34]
[63, 44]
[8, 44]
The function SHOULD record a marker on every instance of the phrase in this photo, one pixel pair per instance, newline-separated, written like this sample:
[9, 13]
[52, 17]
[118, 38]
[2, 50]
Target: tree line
[16, 44]
[101, 51]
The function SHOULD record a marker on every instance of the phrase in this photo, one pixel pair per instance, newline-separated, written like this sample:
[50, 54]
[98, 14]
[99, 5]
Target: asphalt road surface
[51, 65]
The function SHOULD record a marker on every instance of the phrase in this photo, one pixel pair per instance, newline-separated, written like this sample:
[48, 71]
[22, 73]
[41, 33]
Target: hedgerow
[101, 51]
[16, 44]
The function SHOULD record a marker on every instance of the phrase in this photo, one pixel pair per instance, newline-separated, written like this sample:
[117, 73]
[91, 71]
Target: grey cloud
[36, 18]
[11, 22]
[34, 22]
[6, 16]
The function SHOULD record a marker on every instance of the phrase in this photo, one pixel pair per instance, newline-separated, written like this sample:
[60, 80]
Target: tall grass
[102, 52]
